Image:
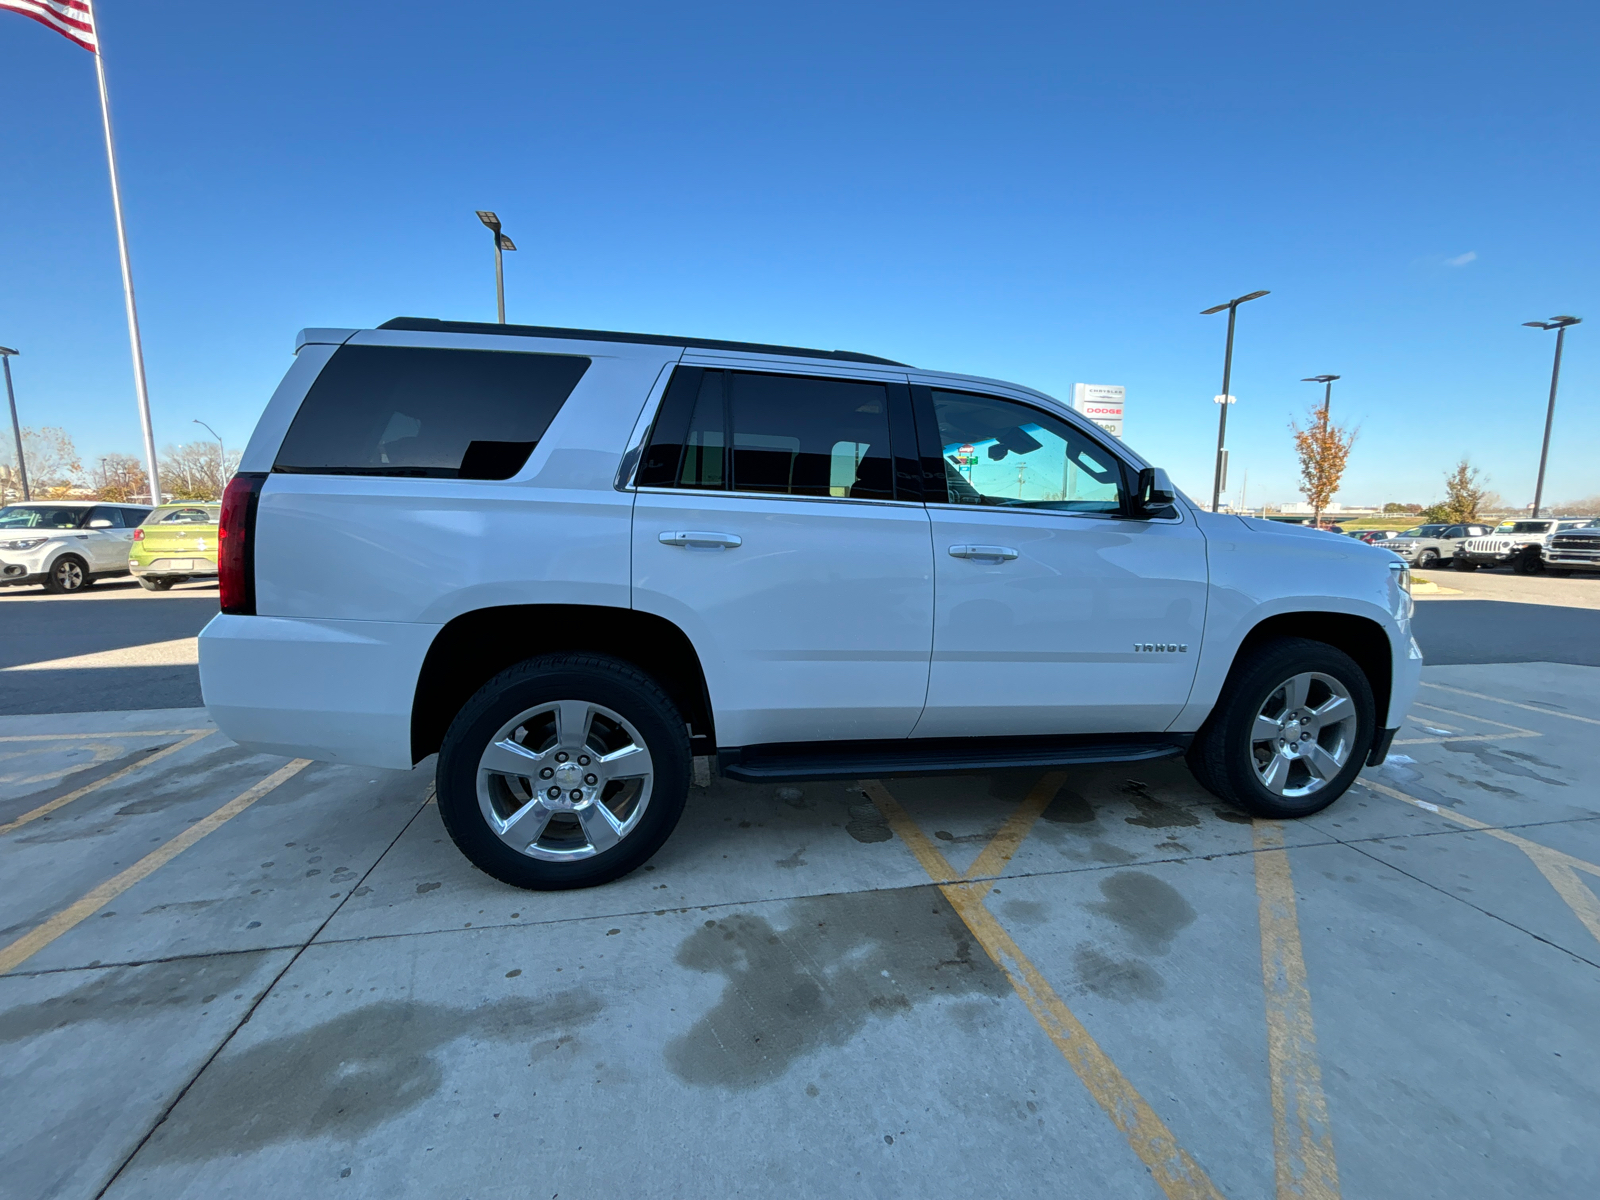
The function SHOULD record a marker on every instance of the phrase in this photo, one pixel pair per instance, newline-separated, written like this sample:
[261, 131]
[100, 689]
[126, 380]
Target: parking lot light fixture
[1227, 372]
[222, 452]
[1327, 396]
[1560, 325]
[501, 243]
[16, 430]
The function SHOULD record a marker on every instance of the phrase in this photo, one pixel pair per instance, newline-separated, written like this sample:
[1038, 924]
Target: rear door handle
[997, 553]
[696, 540]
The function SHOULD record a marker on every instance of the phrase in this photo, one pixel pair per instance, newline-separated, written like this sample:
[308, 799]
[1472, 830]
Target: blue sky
[1043, 193]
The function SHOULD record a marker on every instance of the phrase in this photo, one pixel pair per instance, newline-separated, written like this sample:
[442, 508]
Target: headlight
[1402, 576]
[23, 544]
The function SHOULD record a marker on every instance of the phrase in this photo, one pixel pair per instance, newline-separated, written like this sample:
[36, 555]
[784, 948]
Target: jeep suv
[1516, 544]
[570, 562]
[1429, 545]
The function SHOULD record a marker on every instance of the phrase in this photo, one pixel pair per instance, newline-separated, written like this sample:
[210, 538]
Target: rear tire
[1428, 558]
[67, 575]
[503, 783]
[155, 585]
[1255, 750]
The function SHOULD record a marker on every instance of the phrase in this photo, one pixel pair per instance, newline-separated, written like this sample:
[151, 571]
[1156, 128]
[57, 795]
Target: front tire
[67, 575]
[1290, 732]
[565, 771]
[1428, 558]
[1462, 564]
[1527, 563]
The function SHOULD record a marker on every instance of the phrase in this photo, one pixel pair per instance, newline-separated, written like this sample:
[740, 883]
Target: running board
[797, 761]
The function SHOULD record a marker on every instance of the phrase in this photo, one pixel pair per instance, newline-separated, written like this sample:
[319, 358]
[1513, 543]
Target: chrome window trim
[666, 491]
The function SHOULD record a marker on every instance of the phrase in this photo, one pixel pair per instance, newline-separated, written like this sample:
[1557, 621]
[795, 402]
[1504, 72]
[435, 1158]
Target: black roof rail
[433, 325]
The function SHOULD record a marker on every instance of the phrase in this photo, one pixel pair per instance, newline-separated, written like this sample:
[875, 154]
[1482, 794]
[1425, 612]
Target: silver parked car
[1430, 545]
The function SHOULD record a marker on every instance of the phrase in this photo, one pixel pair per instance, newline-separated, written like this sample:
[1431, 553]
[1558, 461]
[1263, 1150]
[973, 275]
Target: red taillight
[236, 559]
[138, 535]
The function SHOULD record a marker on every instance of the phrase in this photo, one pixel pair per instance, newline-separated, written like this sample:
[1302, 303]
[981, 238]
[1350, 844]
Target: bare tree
[197, 470]
[122, 479]
[52, 463]
[1324, 449]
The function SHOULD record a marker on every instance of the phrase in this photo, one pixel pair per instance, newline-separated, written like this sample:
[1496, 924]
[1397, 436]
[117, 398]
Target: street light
[1227, 372]
[501, 242]
[222, 452]
[1327, 398]
[16, 430]
[1559, 324]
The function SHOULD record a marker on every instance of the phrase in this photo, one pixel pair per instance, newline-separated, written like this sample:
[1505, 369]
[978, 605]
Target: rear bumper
[336, 691]
[168, 565]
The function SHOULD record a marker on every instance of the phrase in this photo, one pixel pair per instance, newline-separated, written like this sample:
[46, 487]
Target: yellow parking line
[1302, 1137]
[1177, 1174]
[1465, 737]
[61, 801]
[1484, 720]
[36, 939]
[114, 733]
[1004, 844]
[1548, 712]
[1560, 869]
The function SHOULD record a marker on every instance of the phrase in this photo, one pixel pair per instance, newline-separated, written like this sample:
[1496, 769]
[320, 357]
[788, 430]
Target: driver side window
[1004, 454]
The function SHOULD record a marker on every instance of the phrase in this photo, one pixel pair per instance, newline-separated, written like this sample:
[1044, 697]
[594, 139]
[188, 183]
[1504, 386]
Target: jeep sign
[1101, 403]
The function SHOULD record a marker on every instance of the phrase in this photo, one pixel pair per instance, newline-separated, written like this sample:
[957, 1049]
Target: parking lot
[224, 974]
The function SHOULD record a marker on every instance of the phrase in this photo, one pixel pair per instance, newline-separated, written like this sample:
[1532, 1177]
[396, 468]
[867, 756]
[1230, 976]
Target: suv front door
[770, 526]
[1058, 610]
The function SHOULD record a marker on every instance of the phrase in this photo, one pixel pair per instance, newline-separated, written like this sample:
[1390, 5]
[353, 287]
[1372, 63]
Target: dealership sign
[1102, 403]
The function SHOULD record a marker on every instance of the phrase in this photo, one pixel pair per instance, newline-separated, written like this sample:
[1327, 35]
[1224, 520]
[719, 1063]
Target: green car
[175, 542]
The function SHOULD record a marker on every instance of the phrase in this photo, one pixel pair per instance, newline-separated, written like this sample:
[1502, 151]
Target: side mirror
[99, 523]
[1155, 491]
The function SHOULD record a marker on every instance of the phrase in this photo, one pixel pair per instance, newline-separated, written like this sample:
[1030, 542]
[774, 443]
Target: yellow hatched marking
[1517, 731]
[46, 809]
[1560, 869]
[1547, 712]
[1177, 1174]
[36, 939]
[1302, 1136]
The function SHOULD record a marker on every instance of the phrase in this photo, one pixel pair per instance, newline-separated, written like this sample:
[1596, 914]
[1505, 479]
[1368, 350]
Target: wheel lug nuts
[591, 780]
[546, 773]
[555, 793]
[562, 756]
[583, 760]
[575, 794]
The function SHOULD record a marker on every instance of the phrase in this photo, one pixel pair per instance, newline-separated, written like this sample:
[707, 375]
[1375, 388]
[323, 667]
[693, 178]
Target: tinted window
[393, 410]
[998, 452]
[40, 516]
[784, 434]
[105, 512]
[132, 517]
[186, 516]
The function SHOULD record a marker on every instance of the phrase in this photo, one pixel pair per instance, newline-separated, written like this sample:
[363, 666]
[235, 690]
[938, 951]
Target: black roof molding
[433, 325]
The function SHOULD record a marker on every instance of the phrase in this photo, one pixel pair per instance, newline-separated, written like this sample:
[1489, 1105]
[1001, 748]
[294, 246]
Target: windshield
[40, 516]
[1530, 527]
[184, 516]
[1425, 531]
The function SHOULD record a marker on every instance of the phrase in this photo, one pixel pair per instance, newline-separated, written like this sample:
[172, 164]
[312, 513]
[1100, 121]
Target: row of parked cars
[1553, 545]
[68, 545]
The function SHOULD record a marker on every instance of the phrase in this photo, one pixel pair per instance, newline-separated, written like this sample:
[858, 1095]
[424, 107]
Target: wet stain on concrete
[839, 962]
[1069, 808]
[794, 860]
[1123, 980]
[1154, 812]
[1108, 852]
[1504, 761]
[123, 994]
[1232, 816]
[1026, 912]
[866, 823]
[346, 1076]
[1149, 910]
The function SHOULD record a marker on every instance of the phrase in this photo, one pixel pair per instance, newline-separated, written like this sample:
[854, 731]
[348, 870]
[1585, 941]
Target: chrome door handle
[699, 541]
[997, 553]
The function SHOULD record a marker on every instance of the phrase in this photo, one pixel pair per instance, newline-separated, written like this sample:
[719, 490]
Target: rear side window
[788, 435]
[186, 516]
[445, 414]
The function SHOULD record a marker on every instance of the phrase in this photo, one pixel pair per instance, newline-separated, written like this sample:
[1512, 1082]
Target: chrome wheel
[563, 781]
[1303, 734]
[68, 574]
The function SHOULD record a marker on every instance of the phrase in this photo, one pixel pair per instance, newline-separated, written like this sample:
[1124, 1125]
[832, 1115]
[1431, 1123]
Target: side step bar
[797, 761]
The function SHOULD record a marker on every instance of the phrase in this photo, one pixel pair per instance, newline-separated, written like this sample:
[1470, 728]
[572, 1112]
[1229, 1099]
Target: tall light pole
[501, 242]
[1559, 324]
[16, 430]
[1227, 374]
[1327, 396]
[222, 453]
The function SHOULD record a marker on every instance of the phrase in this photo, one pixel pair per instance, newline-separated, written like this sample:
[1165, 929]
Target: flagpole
[135, 345]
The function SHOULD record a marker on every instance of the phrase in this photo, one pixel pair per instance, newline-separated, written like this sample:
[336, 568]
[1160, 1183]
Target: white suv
[66, 544]
[570, 561]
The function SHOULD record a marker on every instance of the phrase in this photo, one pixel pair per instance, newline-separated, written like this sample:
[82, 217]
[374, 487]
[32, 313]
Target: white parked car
[569, 561]
[66, 545]
[1514, 543]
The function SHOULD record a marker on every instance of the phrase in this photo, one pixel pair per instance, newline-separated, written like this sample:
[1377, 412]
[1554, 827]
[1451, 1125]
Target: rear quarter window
[416, 411]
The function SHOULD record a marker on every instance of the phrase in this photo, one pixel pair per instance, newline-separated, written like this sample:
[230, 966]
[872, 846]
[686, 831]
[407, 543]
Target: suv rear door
[772, 526]
[1058, 610]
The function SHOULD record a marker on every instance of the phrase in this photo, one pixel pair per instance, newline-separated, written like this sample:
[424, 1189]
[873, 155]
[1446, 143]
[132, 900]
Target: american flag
[71, 18]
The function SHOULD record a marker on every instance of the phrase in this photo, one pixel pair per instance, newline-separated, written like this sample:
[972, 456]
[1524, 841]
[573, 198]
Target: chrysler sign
[1102, 403]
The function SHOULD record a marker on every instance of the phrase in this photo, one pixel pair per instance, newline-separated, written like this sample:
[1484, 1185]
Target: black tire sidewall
[1427, 559]
[608, 682]
[1249, 691]
[50, 584]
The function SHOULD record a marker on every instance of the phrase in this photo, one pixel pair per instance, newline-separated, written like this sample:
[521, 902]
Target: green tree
[1464, 493]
